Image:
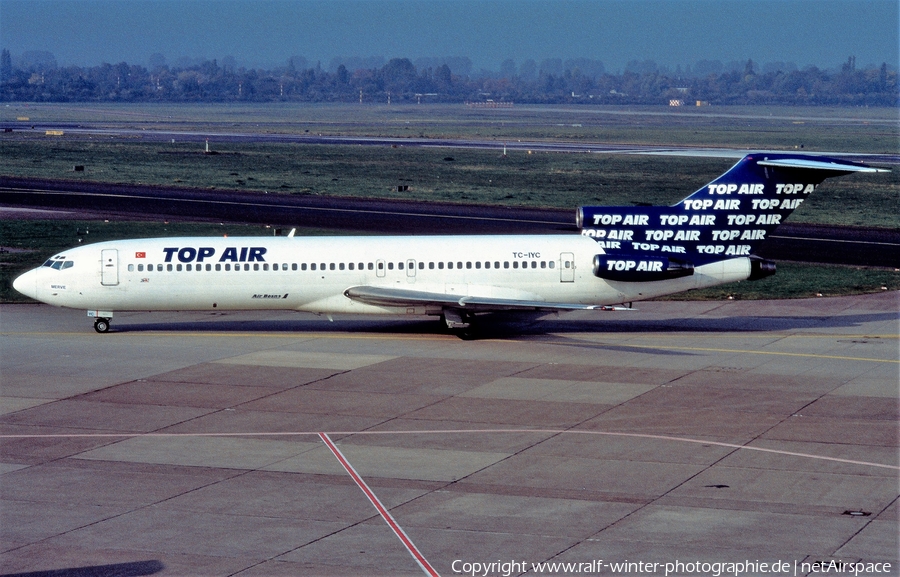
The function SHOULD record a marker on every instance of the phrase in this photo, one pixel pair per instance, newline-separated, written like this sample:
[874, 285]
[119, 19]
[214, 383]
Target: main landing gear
[101, 325]
[459, 323]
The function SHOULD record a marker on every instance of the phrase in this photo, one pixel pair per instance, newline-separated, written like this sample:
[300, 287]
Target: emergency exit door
[566, 267]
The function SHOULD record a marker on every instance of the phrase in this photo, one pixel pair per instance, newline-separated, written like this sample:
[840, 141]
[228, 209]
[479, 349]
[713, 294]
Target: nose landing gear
[101, 320]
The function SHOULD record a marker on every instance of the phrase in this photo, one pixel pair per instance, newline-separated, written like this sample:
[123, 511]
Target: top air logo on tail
[727, 218]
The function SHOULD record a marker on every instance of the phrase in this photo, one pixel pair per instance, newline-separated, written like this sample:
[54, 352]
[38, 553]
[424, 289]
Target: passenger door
[109, 267]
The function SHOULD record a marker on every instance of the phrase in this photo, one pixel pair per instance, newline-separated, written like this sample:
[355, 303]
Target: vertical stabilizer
[727, 218]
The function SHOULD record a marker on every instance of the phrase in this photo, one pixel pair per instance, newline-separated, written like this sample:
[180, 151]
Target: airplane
[622, 255]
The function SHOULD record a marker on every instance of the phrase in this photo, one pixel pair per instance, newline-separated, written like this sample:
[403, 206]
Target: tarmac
[279, 443]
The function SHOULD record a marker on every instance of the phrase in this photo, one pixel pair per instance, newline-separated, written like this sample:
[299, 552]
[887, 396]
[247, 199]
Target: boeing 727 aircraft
[623, 254]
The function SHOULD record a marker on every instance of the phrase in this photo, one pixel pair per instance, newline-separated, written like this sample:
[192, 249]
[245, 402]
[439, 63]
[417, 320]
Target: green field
[522, 178]
[557, 180]
[871, 130]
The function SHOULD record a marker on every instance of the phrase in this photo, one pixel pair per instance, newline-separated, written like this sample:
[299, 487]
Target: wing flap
[391, 297]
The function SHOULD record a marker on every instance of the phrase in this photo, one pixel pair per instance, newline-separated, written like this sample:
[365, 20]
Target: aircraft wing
[392, 297]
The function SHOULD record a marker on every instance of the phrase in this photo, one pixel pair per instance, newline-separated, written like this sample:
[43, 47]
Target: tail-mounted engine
[760, 268]
[640, 267]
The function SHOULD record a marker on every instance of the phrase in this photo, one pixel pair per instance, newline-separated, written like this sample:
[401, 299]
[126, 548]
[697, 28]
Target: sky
[265, 33]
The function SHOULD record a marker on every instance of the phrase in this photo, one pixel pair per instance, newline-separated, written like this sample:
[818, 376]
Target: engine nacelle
[760, 268]
[640, 267]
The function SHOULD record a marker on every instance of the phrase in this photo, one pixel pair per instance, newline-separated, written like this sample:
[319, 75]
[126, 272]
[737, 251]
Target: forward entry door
[109, 267]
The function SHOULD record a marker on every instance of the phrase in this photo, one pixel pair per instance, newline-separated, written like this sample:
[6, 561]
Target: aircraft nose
[26, 284]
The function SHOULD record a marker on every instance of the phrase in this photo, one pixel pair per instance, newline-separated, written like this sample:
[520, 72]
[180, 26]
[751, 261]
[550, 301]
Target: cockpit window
[58, 264]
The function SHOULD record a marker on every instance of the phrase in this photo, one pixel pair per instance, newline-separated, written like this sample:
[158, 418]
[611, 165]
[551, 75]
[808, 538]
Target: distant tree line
[37, 78]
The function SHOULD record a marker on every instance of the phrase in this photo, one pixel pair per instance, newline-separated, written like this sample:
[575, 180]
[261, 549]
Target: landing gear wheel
[101, 325]
[469, 333]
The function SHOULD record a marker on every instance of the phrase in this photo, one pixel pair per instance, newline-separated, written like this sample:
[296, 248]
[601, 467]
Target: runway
[262, 443]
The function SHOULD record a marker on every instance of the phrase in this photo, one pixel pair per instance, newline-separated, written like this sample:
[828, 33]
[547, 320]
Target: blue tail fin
[727, 218]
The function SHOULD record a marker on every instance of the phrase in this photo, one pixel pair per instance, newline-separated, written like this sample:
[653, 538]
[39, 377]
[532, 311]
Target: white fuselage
[312, 273]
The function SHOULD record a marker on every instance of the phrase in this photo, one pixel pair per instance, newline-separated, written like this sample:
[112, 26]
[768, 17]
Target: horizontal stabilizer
[819, 165]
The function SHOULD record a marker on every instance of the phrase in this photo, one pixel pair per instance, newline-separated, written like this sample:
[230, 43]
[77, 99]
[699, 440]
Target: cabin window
[515, 264]
[247, 266]
[477, 264]
[371, 266]
[431, 266]
[543, 264]
[506, 264]
[227, 267]
[159, 268]
[140, 268]
[380, 266]
[534, 264]
[331, 266]
[400, 265]
[178, 268]
[293, 266]
[218, 267]
[209, 267]
[421, 265]
[312, 266]
[468, 265]
[188, 267]
[552, 264]
[441, 265]
[131, 268]
[350, 266]
[390, 266]
[303, 266]
[265, 266]
[362, 266]
[341, 266]
[169, 267]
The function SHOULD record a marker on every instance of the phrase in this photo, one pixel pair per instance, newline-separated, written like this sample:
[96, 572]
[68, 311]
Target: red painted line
[382, 510]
